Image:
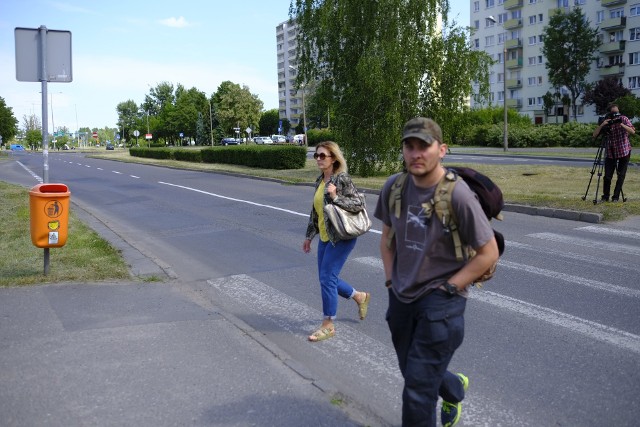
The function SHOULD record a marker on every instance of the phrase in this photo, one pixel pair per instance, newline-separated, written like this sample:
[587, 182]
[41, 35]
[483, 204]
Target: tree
[236, 106]
[373, 57]
[629, 105]
[127, 118]
[269, 122]
[603, 92]
[569, 44]
[8, 122]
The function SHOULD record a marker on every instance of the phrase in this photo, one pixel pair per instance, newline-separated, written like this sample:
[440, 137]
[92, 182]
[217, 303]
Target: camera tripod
[598, 165]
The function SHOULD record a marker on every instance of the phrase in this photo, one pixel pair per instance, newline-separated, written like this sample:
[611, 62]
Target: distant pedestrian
[334, 185]
[427, 283]
[616, 128]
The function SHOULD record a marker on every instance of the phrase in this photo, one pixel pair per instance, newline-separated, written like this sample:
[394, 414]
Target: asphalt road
[554, 339]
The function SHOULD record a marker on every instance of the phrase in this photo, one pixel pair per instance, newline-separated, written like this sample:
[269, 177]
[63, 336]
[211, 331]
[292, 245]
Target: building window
[540, 18]
[563, 3]
[634, 82]
[540, 60]
[531, 81]
[634, 58]
[531, 101]
[634, 10]
[634, 34]
[489, 40]
[540, 100]
[476, 42]
[579, 2]
[501, 38]
[532, 20]
[489, 3]
[532, 60]
[616, 13]
[539, 80]
[476, 6]
[476, 24]
[532, 40]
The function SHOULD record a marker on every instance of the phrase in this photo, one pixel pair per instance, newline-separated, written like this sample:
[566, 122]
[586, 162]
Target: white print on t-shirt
[415, 231]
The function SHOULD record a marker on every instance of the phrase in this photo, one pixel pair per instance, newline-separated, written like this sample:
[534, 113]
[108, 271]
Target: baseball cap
[422, 128]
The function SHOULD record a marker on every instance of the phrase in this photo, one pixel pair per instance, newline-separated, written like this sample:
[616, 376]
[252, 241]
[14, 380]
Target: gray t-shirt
[424, 254]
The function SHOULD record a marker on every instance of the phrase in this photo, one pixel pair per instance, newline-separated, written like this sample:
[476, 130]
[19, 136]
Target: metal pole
[45, 124]
[304, 117]
[505, 142]
[211, 123]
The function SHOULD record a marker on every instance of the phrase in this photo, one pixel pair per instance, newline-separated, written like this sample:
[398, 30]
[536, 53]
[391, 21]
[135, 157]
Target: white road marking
[100, 169]
[32, 173]
[610, 231]
[622, 339]
[116, 172]
[564, 254]
[590, 244]
[245, 201]
[133, 176]
[301, 320]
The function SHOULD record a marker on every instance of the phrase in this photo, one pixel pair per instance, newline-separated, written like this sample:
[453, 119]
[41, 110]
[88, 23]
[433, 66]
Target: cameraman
[617, 129]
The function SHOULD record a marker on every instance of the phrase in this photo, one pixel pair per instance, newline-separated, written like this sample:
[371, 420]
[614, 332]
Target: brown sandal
[322, 334]
[363, 307]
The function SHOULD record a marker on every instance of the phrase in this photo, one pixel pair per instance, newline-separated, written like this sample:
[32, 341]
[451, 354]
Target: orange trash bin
[49, 212]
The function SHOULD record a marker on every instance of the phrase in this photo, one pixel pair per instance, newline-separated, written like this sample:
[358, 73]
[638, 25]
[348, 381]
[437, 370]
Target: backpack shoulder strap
[395, 201]
[444, 209]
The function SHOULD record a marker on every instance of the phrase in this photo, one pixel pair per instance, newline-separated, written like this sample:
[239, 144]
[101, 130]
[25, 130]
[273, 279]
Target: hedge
[258, 156]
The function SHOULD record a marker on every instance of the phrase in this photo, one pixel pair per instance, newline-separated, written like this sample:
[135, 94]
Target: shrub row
[266, 157]
[570, 134]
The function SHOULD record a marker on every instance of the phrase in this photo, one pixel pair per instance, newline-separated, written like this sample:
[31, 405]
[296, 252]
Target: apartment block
[511, 31]
[290, 100]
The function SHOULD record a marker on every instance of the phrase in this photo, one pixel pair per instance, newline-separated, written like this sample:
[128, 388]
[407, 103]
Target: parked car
[17, 147]
[262, 140]
[229, 141]
[110, 147]
[299, 139]
[278, 139]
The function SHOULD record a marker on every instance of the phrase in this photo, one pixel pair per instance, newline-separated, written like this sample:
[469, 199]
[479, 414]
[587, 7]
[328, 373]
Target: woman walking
[334, 185]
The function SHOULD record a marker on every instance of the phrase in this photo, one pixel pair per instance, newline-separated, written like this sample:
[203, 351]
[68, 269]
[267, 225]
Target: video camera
[615, 118]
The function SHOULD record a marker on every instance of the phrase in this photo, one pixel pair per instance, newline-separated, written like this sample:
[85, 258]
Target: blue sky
[121, 48]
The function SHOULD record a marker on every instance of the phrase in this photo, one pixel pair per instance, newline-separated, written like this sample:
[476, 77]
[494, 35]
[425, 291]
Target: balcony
[612, 70]
[512, 4]
[613, 47]
[514, 103]
[610, 3]
[514, 63]
[613, 23]
[512, 24]
[514, 83]
[513, 44]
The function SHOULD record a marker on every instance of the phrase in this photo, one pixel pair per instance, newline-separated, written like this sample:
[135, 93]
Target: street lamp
[505, 141]
[211, 123]
[304, 115]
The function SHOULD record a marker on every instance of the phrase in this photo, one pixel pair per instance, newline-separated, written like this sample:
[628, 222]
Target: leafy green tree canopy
[236, 106]
[8, 122]
[569, 45]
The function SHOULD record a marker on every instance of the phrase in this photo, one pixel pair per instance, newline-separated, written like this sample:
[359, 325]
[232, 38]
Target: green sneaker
[450, 412]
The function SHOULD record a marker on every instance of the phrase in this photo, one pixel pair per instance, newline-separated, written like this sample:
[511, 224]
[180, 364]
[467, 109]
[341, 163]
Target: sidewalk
[146, 354]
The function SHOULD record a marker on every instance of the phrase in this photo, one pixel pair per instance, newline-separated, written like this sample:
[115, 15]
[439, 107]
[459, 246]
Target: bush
[258, 156]
[319, 135]
[151, 153]
[188, 155]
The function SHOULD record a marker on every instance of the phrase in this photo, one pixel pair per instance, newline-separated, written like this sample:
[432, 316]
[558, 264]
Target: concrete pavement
[148, 353]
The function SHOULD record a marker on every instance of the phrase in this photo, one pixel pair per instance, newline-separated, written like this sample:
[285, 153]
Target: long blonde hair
[339, 163]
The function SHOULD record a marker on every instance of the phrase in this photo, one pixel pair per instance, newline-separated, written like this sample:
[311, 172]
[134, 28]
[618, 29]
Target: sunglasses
[321, 156]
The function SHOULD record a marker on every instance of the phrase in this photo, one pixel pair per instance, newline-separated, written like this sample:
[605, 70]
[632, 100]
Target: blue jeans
[425, 334]
[331, 259]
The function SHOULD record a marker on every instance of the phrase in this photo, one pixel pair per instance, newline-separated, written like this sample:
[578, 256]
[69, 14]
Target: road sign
[248, 130]
[95, 134]
[136, 133]
[181, 135]
[117, 136]
[30, 55]
[148, 136]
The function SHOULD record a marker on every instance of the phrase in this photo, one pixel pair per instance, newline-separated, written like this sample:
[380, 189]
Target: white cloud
[175, 22]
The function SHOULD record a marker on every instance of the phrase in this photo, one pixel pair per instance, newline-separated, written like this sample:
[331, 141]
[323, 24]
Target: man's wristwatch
[388, 283]
[451, 289]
